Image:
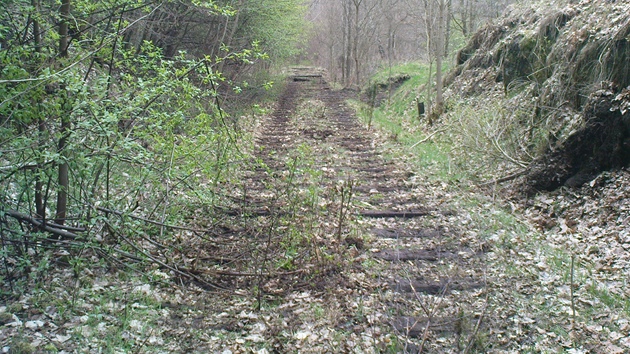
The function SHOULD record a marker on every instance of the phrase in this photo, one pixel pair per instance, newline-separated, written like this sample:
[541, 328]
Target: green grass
[403, 99]
[473, 141]
[397, 116]
[615, 302]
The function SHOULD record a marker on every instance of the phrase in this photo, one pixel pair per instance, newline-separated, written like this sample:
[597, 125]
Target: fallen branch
[240, 274]
[18, 167]
[48, 227]
[253, 212]
[503, 179]
[427, 138]
[173, 268]
[100, 250]
[392, 213]
[149, 221]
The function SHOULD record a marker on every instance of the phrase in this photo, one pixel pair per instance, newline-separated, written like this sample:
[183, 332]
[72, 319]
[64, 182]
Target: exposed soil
[602, 144]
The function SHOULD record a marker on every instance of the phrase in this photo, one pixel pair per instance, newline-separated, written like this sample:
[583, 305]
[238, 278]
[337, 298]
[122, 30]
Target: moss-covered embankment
[570, 65]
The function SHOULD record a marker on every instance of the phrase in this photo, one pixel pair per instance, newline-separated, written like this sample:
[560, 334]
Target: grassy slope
[530, 268]
[397, 117]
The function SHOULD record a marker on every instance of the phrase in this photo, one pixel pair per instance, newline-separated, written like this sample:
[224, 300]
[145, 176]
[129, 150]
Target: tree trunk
[41, 127]
[63, 179]
[355, 42]
[64, 13]
[439, 54]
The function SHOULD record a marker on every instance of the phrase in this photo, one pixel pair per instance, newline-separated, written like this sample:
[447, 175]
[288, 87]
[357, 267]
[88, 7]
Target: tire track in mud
[424, 272]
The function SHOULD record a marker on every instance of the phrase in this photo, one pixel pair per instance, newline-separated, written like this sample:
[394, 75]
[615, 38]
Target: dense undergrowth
[119, 151]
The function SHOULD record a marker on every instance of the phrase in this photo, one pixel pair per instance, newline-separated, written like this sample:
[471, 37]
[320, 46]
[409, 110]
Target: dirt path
[418, 271]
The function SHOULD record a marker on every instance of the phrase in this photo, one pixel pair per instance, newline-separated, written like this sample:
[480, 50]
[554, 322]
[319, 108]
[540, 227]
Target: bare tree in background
[353, 37]
[436, 15]
[358, 28]
[464, 16]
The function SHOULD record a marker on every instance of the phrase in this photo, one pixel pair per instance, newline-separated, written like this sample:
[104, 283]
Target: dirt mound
[569, 64]
[376, 93]
[603, 144]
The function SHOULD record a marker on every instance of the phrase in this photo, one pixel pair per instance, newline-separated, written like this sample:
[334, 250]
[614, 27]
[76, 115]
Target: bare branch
[48, 227]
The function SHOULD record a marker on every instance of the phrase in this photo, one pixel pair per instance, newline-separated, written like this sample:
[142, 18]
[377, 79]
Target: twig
[495, 143]
[481, 316]
[144, 342]
[477, 325]
[430, 315]
[168, 187]
[346, 196]
[428, 138]
[261, 274]
[503, 179]
[572, 298]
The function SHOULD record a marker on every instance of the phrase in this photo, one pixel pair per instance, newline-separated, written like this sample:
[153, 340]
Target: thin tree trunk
[39, 185]
[355, 43]
[429, 31]
[439, 54]
[233, 30]
[471, 16]
[447, 28]
[37, 36]
[428, 89]
[41, 127]
[63, 179]
[347, 32]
